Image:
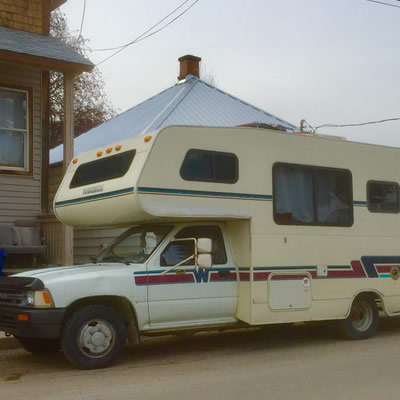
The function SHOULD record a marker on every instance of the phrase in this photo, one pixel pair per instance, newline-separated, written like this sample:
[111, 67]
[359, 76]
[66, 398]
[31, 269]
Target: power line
[143, 36]
[83, 18]
[144, 33]
[385, 4]
[349, 125]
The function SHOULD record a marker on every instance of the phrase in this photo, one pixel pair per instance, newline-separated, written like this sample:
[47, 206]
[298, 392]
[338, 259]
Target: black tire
[40, 346]
[363, 319]
[93, 337]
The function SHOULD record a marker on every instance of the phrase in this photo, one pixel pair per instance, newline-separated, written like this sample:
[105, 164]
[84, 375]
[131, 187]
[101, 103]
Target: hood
[76, 271]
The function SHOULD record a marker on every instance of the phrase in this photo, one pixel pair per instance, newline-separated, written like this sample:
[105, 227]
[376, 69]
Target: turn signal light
[75, 160]
[99, 153]
[23, 317]
[147, 139]
[109, 150]
[118, 147]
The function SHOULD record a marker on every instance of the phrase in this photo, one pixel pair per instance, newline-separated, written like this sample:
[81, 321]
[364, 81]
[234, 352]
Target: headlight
[39, 298]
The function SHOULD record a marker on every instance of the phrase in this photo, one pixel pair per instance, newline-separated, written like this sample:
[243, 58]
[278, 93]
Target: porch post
[68, 139]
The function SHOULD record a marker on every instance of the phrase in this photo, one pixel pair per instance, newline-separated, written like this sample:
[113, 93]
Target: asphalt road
[303, 362]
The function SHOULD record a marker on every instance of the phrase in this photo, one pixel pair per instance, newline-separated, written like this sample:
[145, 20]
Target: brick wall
[25, 15]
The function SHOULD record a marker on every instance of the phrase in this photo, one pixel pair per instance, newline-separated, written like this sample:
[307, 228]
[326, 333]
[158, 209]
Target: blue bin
[2, 259]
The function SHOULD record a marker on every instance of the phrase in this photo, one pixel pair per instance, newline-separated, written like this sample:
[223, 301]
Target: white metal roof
[192, 102]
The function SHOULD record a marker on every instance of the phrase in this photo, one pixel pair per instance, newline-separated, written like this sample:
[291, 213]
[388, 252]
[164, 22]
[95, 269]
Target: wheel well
[117, 303]
[373, 295]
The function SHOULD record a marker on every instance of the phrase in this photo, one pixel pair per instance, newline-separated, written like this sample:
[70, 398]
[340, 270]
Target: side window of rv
[176, 252]
[103, 169]
[210, 166]
[307, 195]
[383, 197]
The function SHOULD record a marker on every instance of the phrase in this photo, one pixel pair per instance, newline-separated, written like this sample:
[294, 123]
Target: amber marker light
[109, 150]
[23, 317]
[99, 153]
[147, 139]
[118, 147]
[46, 297]
[75, 160]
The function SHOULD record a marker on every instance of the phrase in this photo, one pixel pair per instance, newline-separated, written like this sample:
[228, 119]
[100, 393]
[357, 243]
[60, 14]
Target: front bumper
[40, 323]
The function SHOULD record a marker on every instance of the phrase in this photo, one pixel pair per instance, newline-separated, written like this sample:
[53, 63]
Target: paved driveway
[304, 362]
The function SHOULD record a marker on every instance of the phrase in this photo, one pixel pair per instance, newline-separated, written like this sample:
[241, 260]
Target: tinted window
[383, 197]
[210, 166]
[103, 169]
[305, 195]
[179, 251]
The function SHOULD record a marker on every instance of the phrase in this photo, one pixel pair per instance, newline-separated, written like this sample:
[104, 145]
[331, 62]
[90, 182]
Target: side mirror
[204, 261]
[204, 246]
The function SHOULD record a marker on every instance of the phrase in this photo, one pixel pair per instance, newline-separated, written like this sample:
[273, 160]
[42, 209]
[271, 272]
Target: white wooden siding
[20, 195]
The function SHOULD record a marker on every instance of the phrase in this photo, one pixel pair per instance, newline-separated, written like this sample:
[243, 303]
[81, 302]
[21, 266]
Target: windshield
[135, 245]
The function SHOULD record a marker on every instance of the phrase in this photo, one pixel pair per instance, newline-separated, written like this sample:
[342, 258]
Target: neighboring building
[27, 54]
[190, 102]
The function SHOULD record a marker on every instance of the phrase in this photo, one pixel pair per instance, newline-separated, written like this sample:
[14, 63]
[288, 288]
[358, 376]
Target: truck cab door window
[176, 252]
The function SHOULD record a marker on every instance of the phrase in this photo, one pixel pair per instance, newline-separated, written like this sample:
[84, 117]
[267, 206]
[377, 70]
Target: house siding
[20, 194]
[25, 15]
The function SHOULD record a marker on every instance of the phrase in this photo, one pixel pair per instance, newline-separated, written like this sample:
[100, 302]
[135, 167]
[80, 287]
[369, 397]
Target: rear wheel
[40, 346]
[362, 320]
[93, 337]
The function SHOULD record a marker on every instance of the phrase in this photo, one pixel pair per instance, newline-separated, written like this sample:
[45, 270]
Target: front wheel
[363, 319]
[93, 337]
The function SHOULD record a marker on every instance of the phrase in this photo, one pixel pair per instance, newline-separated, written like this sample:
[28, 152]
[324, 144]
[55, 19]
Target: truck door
[191, 295]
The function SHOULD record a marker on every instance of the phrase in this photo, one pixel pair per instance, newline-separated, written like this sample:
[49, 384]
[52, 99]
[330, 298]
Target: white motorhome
[227, 227]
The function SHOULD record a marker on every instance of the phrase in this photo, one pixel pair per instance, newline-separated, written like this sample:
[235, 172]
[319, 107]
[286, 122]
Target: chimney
[189, 65]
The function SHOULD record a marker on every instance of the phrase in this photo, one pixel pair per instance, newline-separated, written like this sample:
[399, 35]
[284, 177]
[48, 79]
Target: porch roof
[40, 51]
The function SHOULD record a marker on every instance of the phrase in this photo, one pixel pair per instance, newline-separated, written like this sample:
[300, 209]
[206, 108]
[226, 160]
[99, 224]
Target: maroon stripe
[356, 272]
[385, 268]
[157, 279]
[299, 276]
[214, 276]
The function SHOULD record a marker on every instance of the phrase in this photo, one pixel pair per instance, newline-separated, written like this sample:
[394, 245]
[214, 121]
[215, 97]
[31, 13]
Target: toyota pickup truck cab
[225, 227]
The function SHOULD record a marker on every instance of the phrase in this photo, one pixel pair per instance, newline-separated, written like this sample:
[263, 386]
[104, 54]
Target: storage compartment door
[289, 291]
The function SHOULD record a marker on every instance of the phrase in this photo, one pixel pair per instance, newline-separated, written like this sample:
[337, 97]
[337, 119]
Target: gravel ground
[305, 362]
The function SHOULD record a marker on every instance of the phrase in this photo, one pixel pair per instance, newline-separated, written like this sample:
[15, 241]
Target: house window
[210, 166]
[306, 195]
[14, 129]
[383, 197]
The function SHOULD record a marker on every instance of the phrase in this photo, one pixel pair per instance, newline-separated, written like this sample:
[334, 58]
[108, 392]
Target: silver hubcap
[361, 316]
[96, 338]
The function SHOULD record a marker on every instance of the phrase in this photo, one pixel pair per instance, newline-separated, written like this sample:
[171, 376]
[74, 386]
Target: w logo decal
[201, 275]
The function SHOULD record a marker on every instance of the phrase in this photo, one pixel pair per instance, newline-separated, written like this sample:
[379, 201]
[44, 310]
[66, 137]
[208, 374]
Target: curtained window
[306, 195]
[14, 134]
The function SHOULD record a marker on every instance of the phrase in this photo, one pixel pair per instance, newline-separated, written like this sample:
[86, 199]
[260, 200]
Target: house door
[190, 295]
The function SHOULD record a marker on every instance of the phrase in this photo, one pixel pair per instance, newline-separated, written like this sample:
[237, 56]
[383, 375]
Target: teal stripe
[158, 271]
[244, 196]
[385, 276]
[359, 203]
[95, 197]
[281, 268]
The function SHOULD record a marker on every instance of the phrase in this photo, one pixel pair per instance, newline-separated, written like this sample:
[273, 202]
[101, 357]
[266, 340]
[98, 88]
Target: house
[27, 55]
[191, 101]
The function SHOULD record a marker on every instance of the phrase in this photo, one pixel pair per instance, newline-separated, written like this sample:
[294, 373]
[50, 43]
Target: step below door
[289, 291]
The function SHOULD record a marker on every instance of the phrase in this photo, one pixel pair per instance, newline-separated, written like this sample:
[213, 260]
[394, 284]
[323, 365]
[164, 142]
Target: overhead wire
[83, 18]
[385, 4]
[350, 125]
[146, 34]
[147, 31]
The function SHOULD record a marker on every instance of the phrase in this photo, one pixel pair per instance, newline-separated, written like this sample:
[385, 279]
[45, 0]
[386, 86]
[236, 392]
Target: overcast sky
[327, 61]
